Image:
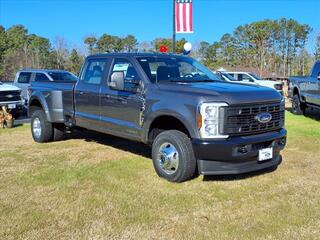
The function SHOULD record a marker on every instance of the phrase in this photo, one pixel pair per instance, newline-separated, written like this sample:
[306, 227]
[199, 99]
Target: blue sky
[75, 19]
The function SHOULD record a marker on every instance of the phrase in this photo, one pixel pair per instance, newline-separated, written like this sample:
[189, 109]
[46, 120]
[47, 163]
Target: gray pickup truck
[305, 91]
[195, 122]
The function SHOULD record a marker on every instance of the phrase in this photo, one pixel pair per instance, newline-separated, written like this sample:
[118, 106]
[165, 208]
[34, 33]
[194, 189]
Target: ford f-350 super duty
[194, 122]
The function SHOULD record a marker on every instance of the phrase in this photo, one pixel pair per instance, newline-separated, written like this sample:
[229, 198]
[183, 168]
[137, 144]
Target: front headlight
[209, 119]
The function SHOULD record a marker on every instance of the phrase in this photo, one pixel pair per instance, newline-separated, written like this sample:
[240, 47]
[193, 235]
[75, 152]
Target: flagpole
[174, 28]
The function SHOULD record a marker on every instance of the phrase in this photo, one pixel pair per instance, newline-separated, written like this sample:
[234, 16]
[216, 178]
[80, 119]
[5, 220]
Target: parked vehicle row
[194, 121]
[251, 78]
[15, 96]
[305, 91]
[24, 77]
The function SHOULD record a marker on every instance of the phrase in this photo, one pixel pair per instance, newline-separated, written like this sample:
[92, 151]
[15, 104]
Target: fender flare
[165, 112]
[41, 99]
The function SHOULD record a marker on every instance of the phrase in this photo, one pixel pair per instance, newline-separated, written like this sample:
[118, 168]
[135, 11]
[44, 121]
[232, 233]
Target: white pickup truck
[251, 78]
[10, 97]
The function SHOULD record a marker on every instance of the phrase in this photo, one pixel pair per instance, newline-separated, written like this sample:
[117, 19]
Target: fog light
[282, 141]
[243, 149]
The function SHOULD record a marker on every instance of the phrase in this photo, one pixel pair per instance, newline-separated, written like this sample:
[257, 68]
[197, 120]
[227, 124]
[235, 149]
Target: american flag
[183, 20]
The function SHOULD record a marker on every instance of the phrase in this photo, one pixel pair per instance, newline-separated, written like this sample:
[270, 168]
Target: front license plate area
[12, 106]
[265, 154]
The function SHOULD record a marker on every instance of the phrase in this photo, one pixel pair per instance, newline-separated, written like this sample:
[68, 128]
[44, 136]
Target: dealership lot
[96, 186]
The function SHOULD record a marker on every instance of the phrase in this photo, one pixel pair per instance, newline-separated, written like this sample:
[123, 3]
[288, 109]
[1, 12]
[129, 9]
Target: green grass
[105, 189]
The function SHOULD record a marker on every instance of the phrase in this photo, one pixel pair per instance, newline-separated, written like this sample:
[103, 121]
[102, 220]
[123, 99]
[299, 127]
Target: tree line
[19, 50]
[276, 46]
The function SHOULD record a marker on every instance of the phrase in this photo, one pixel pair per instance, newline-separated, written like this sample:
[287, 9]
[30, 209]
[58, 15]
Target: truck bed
[58, 97]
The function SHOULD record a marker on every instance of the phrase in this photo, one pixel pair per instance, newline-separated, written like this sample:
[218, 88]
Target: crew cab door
[121, 110]
[87, 93]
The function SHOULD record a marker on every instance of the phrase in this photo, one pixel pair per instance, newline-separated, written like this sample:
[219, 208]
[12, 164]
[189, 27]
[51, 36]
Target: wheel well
[34, 104]
[163, 123]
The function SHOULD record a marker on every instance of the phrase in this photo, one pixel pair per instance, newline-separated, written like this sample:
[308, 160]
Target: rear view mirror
[117, 80]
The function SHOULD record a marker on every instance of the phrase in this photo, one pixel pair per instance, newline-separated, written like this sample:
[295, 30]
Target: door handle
[81, 92]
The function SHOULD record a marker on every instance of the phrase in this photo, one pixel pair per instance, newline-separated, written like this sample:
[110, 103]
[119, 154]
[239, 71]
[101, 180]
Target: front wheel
[173, 157]
[41, 129]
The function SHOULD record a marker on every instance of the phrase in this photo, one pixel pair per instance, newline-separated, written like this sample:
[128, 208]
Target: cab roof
[42, 70]
[136, 55]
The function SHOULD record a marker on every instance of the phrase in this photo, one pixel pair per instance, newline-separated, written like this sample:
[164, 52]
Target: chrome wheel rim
[168, 158]
[36, 127]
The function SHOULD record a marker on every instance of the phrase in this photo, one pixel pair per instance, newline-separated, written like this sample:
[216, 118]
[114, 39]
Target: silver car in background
[24, 77]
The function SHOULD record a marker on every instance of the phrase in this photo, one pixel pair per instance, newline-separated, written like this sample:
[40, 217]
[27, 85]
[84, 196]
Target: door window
[244, 77]
[94, 71]
[41, 77]
[131, 77]
[24, 77]
[124, 65]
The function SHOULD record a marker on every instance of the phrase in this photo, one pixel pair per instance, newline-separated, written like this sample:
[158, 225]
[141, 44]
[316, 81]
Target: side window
[24, 77]
[246, 78]
[124, 65]
[40, 77]
[231, 74]
[94, 71]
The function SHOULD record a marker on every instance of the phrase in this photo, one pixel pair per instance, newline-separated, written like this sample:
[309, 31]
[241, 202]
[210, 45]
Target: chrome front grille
[9, 96]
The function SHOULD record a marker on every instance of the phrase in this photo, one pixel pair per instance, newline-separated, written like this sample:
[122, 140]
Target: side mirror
[117, 80]
[319, 76]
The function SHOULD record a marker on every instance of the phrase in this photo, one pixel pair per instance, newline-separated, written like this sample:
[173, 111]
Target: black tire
[46, 129]
[58, 132]
[186, 160]
[298, 107]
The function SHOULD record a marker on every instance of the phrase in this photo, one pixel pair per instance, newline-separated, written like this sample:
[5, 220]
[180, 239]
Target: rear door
[87, 93]
[120, 110]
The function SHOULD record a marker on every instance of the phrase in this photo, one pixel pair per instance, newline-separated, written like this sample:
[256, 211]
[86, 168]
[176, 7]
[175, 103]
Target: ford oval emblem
[263, 117]
[9, 96]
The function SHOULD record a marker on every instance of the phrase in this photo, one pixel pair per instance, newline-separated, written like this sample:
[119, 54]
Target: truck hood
[8, 87]
[231, 93]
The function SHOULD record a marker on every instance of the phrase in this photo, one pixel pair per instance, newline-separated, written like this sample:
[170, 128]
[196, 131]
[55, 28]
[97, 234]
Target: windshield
[175, 69]
[62, 76]
[255, 76]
